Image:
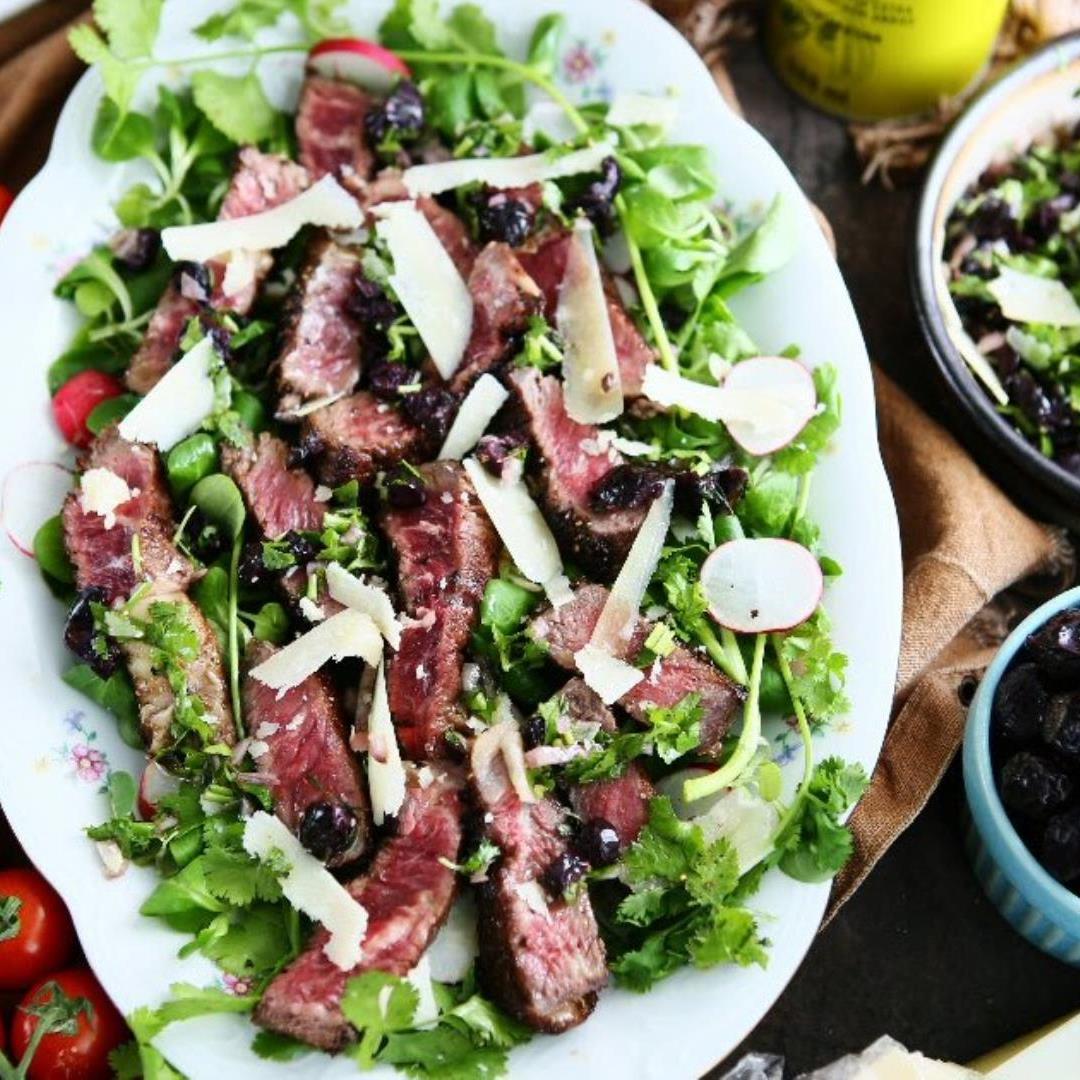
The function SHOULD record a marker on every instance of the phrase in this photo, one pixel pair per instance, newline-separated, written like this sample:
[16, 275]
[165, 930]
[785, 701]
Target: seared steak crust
[280, 499]
[302, 751]
[541, 957]
[320, 354]
[447, 551]
[359, 435]
[570, 463]
[407, 893]
[330, 130]
[683, 672]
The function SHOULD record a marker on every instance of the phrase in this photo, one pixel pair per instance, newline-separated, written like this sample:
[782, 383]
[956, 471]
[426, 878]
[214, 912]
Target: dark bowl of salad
[996, 278]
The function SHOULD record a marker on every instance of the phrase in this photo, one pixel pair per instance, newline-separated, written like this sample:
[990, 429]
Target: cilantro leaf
[377, 1004]
[238, 879]
[272, 1046]
[236, 105]
[131, 25]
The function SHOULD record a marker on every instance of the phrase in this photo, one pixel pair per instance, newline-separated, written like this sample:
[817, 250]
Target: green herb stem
[804, 732]
[234, 644]
[724, 652]
[701, 786]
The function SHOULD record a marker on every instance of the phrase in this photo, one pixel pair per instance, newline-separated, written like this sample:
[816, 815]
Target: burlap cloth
[963, 541]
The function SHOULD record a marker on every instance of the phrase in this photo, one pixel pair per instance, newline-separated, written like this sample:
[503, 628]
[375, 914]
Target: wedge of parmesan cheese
[1031, 299]
[672, 390]
[519, 523]
[309, 886]
[366, 598]
[427, 283]
[478, 409]
[609, 676]
[386, 774]
[102, 492]
[503, 172]
[593, 387]
[629, 109]
[178, 404]
[348, 633]
[325, 203]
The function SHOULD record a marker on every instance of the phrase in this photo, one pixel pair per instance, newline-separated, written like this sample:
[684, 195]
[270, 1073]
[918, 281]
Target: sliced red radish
[768, 401]
[359, 61]
[73, 403]
[154, 785]
[32, 493]
[757, 586]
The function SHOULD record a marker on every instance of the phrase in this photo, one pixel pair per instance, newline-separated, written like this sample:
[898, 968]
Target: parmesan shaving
[629, 109]
[366, 598]
[102, 493]
[386, 774]
[178, 404]
[673, 391]
[309, 886]
[1029, 298]
[593, 387]
[427, 283]
[503, 172]
[481, 404]
[325, 203]
[348, 633]
[609, 676]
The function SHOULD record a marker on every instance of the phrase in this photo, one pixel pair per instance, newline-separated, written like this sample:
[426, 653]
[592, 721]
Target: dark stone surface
[918, 953]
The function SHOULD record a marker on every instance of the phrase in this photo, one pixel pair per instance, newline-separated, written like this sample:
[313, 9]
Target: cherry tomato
[6, 199]
[83, 1055]
[41, 939]
[76, 399]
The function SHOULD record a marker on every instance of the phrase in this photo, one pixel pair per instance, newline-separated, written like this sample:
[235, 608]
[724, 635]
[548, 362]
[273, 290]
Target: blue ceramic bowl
[1037, 905]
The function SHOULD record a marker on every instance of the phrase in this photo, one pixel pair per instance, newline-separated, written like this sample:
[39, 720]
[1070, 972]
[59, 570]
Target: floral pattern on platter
[87, 762]
[237, 985]
[582, 68]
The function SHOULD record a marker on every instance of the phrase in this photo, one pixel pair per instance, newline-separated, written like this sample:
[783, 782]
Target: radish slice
[359, 61]
[768, 401]
[764, 402]
[33, 493]
[757, 586]
[154, 785]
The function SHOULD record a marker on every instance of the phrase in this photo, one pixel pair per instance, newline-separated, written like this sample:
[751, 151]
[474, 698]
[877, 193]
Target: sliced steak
[103, 557]
[504, 299]
[280, 499]
[683, 672]
[320, 354]
[259, 182]
[545, 262]
[623, 802]
[330, 130]
[203, 671]
[570, 464]
[541, 957]
[446, 551]
[407, 893]
[302, 752]
[581, 704]
[359, 435]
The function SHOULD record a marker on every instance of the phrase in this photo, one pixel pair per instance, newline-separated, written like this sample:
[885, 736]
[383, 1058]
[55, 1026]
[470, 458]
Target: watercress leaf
[235, 104]
[211, 593]
[472, 30]
[111, 356]
[114, 693]
[244, 20]
[801, 455]
[450, 102]
[271, 623]
[221, 502]
[118, 136]
[97, 267]
[183, 899]
[190, 461]
[51, 552]
[677, 180]
[122, 792]
[770, 245]
[131, 25]
[110, 411]
[544, 44]
[412, 23]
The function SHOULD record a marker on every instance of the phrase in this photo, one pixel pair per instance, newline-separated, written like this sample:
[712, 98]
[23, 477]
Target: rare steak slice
[571, 461]
[101, 549]
[359, 435]
[320, 355]
[301, 749]
[407, 893]
[330, 130]
[545, 261]
[281, 499]
[669, 680]
[622, 802]
[259, 182]
[446, 551]
[504, 299]
[193, 656]
[541, 957]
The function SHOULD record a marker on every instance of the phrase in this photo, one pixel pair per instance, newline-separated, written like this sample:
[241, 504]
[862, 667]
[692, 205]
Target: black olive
[385, 380]
[722, 487]
[597, 201]
[1061, 728]
[599, 842]
[193, 280]
[1061, 846]
[309, 447]
[627, 487]
[327, 829]
[252, 570]
[993, 219]
[493, 451]
[565, 870]
[1055, 647]
[1039, 404]
[85, 640]
[1034, 786]
[502, 217]
[402, 114]
[534, 731]
[1019, 705]
[303, 549]
[404, 489]
[431, 409]
[370, 304]
[135, 249]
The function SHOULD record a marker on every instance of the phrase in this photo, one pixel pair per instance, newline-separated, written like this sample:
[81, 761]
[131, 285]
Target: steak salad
[441, 537]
